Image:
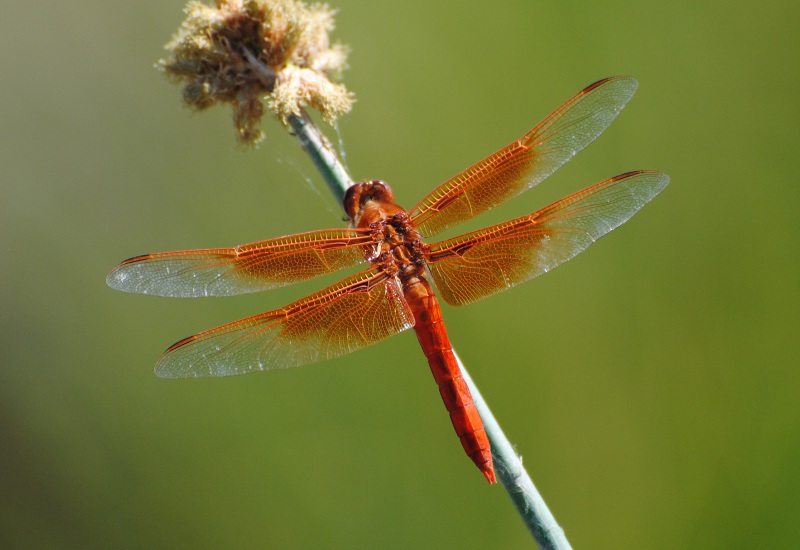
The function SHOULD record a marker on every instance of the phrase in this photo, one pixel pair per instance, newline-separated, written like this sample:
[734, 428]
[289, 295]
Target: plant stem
[515, 480]
[322, 155]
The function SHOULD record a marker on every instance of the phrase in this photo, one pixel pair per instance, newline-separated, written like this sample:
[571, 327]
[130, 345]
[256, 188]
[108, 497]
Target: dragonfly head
[367, 195]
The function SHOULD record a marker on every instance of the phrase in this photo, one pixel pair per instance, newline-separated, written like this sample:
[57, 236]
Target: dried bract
[254, 52]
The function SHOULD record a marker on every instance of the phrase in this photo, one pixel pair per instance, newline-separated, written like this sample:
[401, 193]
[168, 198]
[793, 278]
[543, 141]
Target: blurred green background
[651, 385]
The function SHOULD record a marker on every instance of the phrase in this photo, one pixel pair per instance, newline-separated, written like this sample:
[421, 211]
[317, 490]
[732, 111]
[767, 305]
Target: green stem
[513, 477]
[516, 481]
[322, 154]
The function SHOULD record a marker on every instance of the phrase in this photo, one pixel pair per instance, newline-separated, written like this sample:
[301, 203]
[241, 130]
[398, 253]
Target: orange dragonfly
[394, 294]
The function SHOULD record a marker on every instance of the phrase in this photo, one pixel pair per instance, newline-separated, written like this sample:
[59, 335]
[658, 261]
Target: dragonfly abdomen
[455, 393]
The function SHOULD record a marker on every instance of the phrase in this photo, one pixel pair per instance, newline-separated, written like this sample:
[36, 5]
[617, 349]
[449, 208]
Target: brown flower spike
[248, 52]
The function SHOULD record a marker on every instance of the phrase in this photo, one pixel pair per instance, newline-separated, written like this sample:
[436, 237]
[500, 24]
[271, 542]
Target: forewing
[479, 264]
[246, 268]
[350, 315]
[526, 162]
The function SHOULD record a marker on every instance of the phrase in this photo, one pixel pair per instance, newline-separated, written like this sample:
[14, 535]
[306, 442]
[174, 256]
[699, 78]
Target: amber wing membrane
[345, 317]
[246, 268]
[479, 264]
[526, 162]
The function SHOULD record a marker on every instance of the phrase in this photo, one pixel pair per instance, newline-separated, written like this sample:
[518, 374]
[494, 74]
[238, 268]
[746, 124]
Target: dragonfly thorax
[398, 247]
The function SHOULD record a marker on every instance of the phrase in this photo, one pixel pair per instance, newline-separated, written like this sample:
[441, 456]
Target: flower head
[254, 52]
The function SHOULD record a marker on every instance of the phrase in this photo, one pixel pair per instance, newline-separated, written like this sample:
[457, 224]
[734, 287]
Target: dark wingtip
[602, 81]
[118, 277]
[163, 370]
[179, 344]
[138, 258]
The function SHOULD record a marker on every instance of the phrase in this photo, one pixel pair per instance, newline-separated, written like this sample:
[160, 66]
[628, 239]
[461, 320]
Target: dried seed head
[246, 52]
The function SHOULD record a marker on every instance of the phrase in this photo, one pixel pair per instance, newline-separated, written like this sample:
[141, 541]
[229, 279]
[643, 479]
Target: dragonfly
[394, 292]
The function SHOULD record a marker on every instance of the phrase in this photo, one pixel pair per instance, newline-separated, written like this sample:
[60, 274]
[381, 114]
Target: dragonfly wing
[479, 264]
[246, 268]
[345, 317]
[526, 162]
